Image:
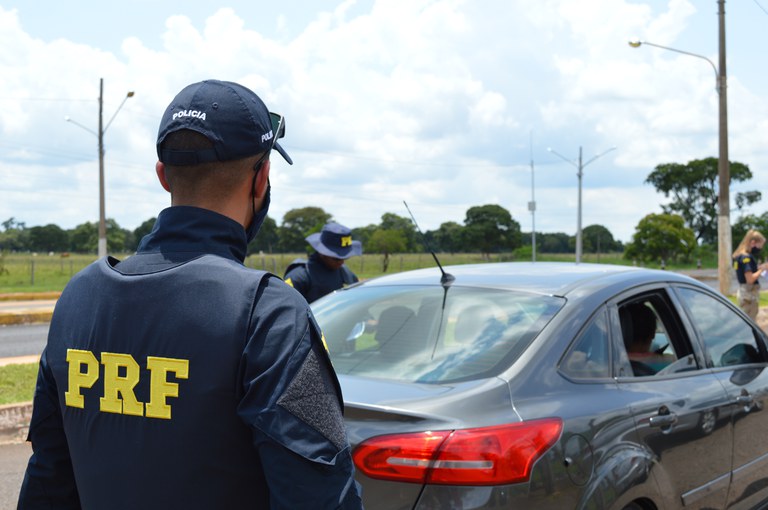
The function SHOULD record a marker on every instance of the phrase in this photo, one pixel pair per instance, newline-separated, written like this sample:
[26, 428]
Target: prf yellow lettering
[119, 397]
[346, 241]
[160, 388]
[76, 361]
[121, 375]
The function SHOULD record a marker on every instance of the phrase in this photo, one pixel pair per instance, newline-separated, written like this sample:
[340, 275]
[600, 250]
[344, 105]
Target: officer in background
[748, 271]
[325, 271]
[179, 378]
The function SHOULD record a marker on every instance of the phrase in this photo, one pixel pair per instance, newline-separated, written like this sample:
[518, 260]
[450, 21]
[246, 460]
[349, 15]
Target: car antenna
[447, 279]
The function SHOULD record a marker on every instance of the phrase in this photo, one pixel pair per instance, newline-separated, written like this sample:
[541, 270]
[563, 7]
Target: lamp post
[724, 244]
[100, 135]
[532, 208]
[580, 167]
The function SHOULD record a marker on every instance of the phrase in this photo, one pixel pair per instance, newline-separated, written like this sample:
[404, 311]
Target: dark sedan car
[521, 385]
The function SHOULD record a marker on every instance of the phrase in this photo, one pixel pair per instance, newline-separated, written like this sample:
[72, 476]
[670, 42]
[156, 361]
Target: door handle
[663, 420]
[746, 401]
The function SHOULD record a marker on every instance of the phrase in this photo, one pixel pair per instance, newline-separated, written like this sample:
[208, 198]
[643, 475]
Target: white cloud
[438, 102]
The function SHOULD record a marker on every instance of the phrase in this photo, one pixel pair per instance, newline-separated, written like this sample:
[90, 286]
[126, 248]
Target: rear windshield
[423, 334]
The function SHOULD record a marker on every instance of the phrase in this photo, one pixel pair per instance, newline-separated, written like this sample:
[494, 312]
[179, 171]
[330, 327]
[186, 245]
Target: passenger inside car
[639, 327]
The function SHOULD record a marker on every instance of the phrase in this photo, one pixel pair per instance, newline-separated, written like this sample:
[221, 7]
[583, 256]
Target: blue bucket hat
[335, 241]
[231, 116]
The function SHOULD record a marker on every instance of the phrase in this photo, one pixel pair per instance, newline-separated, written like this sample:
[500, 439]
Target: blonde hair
[751, 235]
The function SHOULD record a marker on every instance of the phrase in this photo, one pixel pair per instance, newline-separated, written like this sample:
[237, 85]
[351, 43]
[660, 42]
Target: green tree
[298, 224]
[386, 242]
[267, 238]
[139, 233]
[84, 238]
[48, 238]
[598, 239]
[363, 234]
[391, 221]
[490, 229]
[15, 236]
[449, 237]
[557, 242]
[661, 237]
[693, 189]
[116, 236]
[744, 223]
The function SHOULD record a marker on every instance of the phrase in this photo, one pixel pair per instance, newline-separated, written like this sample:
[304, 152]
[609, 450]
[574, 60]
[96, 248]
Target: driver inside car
[644, 360]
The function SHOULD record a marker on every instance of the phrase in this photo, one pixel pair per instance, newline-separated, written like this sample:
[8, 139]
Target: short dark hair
[643, 322]
[212, 178]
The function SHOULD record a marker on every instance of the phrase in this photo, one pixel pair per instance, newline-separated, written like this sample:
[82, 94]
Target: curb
[7, 319]
[14, 422]
[28, 296]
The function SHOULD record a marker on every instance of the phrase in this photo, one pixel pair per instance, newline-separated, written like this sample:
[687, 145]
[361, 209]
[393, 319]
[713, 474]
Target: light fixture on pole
[102, 247]
[724, 244]
[580, 167]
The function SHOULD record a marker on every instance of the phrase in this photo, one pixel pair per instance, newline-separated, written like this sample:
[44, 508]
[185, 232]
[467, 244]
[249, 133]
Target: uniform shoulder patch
[311, 397]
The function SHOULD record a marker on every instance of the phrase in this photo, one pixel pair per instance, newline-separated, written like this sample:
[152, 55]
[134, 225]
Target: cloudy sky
[444, 104]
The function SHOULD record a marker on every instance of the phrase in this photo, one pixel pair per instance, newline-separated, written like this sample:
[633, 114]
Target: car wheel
[707, 422]
[633, 506]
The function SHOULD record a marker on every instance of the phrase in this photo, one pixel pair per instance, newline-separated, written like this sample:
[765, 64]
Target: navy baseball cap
[231, 116]
[335, 241]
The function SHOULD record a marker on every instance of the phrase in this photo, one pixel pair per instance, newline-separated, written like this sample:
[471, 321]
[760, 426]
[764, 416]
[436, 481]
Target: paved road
[22, 340]
[13, 462]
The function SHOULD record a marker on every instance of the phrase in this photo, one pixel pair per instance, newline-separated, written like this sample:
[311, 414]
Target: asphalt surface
[19, 340]
[13, 462]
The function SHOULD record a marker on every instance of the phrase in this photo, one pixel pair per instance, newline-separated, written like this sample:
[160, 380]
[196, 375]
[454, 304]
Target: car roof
[552, 278]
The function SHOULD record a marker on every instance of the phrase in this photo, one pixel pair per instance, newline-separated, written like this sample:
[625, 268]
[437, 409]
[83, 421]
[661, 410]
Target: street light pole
[532, 208]
[580, 167]
[724, 244]
[102, 246]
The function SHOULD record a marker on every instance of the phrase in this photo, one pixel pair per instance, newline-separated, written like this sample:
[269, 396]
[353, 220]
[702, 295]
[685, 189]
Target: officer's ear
[160, 170]
[261, 182]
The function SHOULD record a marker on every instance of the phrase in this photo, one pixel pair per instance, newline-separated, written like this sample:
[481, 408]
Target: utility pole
[102, 220]
[580, 167]
[102, 246]
[532, 208]
[724, 244]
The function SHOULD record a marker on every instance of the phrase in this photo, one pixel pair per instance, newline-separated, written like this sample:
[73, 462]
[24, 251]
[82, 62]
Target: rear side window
[728, 339]
[426, 334]
[589, 357]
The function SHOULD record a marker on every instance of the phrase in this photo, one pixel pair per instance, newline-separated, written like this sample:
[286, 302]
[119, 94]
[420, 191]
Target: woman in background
[748, 271]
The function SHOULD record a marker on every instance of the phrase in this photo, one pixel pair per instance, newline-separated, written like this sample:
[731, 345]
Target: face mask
[755, 251]
[259, 217]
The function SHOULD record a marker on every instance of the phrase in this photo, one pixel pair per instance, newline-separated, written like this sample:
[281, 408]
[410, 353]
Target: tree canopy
[661, 237]
[693, 189]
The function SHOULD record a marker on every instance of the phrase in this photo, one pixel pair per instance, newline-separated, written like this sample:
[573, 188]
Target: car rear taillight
[481, 456]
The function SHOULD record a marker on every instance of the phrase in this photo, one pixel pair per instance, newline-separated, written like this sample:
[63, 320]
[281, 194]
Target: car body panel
[624, 438]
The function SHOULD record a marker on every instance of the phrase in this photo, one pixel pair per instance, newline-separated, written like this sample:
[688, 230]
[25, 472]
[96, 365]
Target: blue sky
[442, 103]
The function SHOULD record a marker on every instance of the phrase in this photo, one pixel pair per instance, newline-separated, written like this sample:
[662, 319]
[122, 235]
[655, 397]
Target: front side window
[425, 334]
[728, 339]
[647, 340]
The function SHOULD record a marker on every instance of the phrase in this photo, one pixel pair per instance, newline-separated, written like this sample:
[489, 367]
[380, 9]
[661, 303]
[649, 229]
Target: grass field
[49, 273]
[17, 383]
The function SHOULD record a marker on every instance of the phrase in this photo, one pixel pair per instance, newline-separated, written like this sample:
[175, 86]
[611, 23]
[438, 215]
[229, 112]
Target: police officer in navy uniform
[325, 271]
[748, 271]
[179, 378]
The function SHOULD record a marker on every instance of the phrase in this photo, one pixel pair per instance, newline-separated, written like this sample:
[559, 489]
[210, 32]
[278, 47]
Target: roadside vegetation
[25, 272]
[17, 383]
